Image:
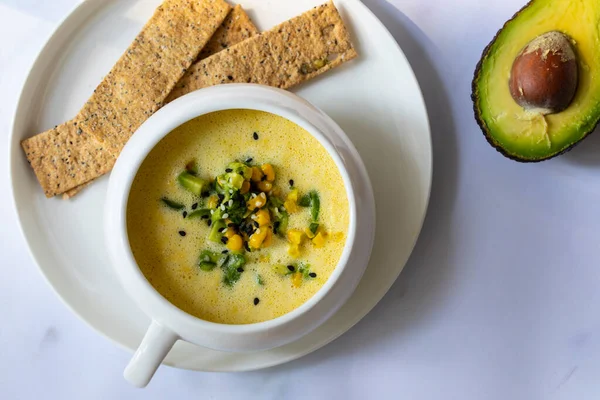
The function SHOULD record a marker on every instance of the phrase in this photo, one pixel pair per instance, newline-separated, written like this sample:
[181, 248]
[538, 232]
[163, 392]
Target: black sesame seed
[204, 217]
[312, 275]
[256, 224]
[221, 230]
[194, 206]
[228, 170]
[221, 196]
[230, 77]
[209, 222]
[249, 160]
[224, 240]
[225, 252]
[291, 268]
[256, 301]
[240, 270]
[182, 233]
[291, 182]
[255, 136]
[184, 214]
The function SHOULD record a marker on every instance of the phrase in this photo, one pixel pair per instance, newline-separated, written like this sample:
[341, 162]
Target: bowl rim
[155, 129]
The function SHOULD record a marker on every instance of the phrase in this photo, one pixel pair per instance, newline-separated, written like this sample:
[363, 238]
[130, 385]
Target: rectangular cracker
[149, 69]
[69, 155]
[291, 53]
[65, 157]
[237, 27]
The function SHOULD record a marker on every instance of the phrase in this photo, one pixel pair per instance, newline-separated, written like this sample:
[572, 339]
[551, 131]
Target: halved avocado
[528, 136]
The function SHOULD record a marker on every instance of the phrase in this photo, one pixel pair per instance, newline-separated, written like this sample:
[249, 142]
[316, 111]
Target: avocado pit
[544, 75]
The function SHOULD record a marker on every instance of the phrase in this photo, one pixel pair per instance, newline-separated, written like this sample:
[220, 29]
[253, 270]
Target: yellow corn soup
[220, 280]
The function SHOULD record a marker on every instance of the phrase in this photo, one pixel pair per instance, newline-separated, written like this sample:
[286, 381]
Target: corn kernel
[262, 217]
[297, 279]
[269, 172]
[229, 233]
[212, 202]
[257, 202]
[294, 250]
[293, 195]
[265, 186]
[235, 243]
[245, 187]
[269, 238]
[256, 174]
[290, 206]
[295, 236]
[258, 238]
[319, 239]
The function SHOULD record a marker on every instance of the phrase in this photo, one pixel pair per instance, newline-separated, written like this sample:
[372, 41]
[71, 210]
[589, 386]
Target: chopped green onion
[304, 201]
[203, 212]
[315, 205]
[172, 204]
[215, 235]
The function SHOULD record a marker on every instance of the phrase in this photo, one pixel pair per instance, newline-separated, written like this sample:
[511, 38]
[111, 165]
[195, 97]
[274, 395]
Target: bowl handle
[152, 351]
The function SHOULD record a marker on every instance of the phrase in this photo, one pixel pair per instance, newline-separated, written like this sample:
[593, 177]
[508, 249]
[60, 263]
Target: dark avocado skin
[481, 123]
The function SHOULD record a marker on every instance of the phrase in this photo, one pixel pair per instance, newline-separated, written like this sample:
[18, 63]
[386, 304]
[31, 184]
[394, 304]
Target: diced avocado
[235, 181]
[192, 183]
[526, 134]
[281, 269]
[172, 204]
[240, 169]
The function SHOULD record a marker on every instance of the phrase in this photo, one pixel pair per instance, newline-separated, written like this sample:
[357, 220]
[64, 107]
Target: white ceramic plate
[375, 99]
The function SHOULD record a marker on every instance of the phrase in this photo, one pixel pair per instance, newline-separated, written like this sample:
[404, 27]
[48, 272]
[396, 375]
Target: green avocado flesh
[523, 135]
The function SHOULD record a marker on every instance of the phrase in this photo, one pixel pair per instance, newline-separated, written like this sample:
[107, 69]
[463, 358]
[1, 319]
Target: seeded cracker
[65, 157]
[159, 56]
[292, 52]
[68, 155]
[236, 28]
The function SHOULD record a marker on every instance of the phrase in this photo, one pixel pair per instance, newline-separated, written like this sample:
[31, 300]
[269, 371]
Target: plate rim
[63, 24]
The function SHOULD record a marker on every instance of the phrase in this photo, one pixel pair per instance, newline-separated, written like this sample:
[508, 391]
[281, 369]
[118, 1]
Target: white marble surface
[499, 300]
